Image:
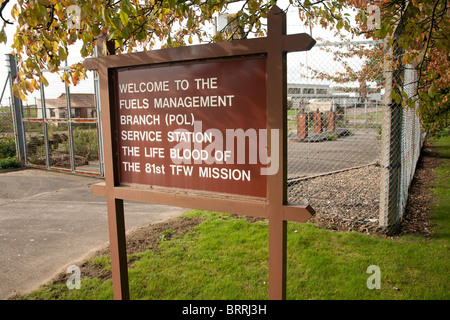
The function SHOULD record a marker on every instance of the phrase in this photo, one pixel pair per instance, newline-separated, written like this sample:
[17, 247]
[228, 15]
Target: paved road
[50, 220]
[308, 159]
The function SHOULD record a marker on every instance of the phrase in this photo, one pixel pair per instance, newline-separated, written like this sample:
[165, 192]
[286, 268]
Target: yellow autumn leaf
[28, 85]
[75, 78]
[18, 93]
[43, 80]
[55, 46]
[15, 11]
[35, 84]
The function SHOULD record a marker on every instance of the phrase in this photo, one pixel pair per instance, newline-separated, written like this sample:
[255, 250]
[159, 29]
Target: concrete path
[50, 220]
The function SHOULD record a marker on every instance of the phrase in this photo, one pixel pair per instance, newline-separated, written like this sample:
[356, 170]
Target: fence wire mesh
[339, 131]
[61, 128]
[6, 120]
[412, 138]
[351, 155]
[60, 124]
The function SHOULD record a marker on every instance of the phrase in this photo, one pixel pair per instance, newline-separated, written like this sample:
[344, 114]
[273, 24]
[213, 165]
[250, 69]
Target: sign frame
[274, 206]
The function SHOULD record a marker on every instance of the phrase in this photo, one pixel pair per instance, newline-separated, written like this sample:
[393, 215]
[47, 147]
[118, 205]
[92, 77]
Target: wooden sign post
[200, 127]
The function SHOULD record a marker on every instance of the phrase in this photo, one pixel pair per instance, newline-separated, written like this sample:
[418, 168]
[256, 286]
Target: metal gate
[58, 128]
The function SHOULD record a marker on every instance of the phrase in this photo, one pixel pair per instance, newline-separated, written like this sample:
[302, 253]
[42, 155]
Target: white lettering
[184, 136]
[224, 173]
[157, 86]
[199, 310]
[154, 152]
[247, 310]
[194, 102]
[153, 168]
[132, 166]
[180, 169]
[140, 120]
[141, 135]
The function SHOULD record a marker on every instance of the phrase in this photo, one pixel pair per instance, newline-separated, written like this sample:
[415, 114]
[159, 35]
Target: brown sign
[208, 118]
[194, 126]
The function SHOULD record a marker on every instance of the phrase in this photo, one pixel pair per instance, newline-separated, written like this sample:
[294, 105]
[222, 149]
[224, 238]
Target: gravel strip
[347, 200]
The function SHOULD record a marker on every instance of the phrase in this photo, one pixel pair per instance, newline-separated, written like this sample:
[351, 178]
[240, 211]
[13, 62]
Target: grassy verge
[226, 258]
[441, 189]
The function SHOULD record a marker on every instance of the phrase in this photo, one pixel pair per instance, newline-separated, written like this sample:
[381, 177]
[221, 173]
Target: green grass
[226, 258]
[370, 117]
[441, 189]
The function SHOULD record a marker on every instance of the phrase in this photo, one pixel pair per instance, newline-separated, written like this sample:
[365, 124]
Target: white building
[82, 106]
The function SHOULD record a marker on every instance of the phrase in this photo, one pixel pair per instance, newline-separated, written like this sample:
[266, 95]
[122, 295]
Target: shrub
[7, 163]
[86, 143]
[7, 147]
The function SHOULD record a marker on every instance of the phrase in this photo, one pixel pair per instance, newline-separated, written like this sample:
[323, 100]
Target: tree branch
[419, 73]
[1, 11]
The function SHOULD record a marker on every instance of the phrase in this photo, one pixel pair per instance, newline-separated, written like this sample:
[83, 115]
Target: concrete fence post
[390, 162]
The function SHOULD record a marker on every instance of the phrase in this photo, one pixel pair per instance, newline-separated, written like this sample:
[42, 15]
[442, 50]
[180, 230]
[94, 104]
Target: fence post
[390, 220]
[365, 113]
[99, 119]
[70, 127]
[16, 109]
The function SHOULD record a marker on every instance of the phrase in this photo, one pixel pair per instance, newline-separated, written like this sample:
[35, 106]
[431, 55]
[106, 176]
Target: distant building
[82, 106]
[296, 90]
[312, 97]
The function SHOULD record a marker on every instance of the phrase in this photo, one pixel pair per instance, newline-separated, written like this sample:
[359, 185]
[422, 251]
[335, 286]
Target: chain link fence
[7, 133]
[348, 156]
[6, 121]
[57, 126]
[62, 127]
[351, 152]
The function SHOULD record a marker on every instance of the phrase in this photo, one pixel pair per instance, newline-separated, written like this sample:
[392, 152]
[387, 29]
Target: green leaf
[124, 17]
[397, 97]
[3, 35]
[62, 52]
[432, 90]
[127, 6]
